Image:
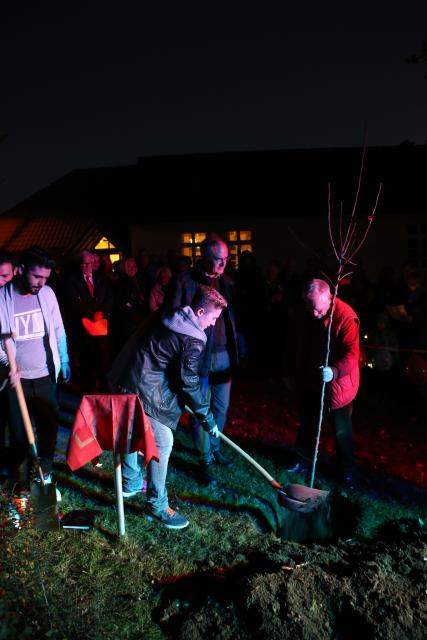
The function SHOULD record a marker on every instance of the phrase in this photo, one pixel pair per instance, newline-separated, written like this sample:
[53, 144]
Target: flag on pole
[110, 423]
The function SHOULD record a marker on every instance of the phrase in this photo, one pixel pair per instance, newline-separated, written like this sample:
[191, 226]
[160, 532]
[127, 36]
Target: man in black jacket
[88, 300]
[220, 357]
[161, 367]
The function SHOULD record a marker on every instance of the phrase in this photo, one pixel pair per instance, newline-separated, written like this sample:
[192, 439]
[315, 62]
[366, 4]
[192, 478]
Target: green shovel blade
[45, 506]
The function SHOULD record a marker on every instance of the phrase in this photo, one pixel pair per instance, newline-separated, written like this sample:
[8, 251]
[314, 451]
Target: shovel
[43, 495]
[308, 511]
[294, 497]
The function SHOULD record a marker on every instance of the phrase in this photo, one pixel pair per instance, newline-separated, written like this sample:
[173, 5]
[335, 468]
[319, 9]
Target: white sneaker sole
[150, 518]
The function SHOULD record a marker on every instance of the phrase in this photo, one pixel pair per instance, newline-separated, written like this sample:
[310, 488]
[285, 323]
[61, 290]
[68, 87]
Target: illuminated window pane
[198, 253]
[232, 236]
[232, 249]
[114, 257]
[187, 251]
[199, 236]
[104, 243]
[245, 236]
[245, 247]
[187, 238]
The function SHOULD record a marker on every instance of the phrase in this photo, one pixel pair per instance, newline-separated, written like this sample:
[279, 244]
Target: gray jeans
[157, 497]
[218, 396]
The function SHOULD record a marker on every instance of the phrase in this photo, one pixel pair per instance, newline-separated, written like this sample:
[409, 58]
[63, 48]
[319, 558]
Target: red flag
[110, 422]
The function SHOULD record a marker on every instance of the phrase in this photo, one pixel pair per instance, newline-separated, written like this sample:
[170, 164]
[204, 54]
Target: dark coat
[161, 367]
[182, 293]
[78, 301]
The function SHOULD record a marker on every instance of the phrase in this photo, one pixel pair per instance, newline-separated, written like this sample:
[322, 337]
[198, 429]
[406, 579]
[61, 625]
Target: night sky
[100, 86]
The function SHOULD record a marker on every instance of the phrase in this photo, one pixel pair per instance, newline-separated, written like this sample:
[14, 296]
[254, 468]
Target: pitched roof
[249, 184]
[57, 235]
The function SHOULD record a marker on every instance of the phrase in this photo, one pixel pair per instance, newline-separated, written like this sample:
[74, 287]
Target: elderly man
[88, 300]
[220, 355]
[341, 376]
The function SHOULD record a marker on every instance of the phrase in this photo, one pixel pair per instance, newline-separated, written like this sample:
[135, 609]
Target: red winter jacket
[343, 358]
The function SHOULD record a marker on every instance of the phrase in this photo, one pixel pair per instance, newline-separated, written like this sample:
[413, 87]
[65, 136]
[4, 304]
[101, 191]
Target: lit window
[237, 241]
[104, 243]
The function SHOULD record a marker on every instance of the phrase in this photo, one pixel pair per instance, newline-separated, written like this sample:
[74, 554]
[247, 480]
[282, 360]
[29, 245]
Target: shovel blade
[297, 497]
[45, 506]
[305, 494]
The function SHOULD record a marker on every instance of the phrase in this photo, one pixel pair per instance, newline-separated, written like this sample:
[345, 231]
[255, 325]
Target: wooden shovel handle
[20, 395]
[251, 460]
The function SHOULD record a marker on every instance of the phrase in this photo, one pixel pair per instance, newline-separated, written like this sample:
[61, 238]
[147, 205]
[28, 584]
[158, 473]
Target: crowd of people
[196, 326]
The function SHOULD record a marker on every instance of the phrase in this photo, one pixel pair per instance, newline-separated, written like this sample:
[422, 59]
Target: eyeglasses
[223, 260]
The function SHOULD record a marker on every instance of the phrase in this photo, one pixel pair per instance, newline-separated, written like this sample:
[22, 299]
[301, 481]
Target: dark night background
[97, 84]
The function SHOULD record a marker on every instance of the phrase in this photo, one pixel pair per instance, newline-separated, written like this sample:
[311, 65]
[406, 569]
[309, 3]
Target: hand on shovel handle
[15, 376]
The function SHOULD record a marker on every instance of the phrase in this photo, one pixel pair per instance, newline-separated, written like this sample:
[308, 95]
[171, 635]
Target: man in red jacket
[341, 376]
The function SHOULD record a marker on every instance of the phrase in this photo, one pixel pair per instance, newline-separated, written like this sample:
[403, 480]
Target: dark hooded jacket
[161, 367]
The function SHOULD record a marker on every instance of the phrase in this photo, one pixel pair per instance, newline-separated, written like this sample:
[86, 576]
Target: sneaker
[203, 474]
[141, 490]
[220, 459]
[297, 468]
[170, 518]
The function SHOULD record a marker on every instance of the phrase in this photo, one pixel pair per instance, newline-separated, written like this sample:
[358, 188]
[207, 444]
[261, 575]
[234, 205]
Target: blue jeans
[218, 397]
[157, 497]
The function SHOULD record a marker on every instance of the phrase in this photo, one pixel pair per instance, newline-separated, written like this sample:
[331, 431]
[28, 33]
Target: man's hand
[214, 433]
[326, 374]
[14, 378]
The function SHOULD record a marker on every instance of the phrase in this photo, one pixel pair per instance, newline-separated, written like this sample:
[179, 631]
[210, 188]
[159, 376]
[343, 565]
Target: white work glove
[214, 433]
[327, 374]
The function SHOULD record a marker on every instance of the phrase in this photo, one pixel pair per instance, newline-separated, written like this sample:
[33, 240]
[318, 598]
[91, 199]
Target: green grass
[96, 585]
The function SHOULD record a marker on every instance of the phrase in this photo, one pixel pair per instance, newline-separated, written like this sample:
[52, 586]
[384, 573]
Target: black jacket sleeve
[191, 390]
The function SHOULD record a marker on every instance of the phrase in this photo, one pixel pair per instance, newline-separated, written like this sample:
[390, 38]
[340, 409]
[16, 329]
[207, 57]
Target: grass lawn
[75, 584]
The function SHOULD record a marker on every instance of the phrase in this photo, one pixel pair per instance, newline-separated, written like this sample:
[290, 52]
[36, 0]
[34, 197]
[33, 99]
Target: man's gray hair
[314, 287]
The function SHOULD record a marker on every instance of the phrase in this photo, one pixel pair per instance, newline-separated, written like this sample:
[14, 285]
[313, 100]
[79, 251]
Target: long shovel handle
[21, 398]
[251, 460]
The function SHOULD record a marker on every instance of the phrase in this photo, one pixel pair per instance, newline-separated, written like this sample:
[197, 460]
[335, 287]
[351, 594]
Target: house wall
[291, 238]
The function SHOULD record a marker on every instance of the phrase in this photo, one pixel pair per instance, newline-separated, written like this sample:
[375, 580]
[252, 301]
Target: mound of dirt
[347, 590]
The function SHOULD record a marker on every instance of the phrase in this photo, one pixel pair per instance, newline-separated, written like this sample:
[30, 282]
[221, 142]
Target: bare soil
[343, 588]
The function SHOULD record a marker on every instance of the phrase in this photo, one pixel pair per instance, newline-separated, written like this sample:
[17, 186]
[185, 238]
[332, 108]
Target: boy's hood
[184, 321]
